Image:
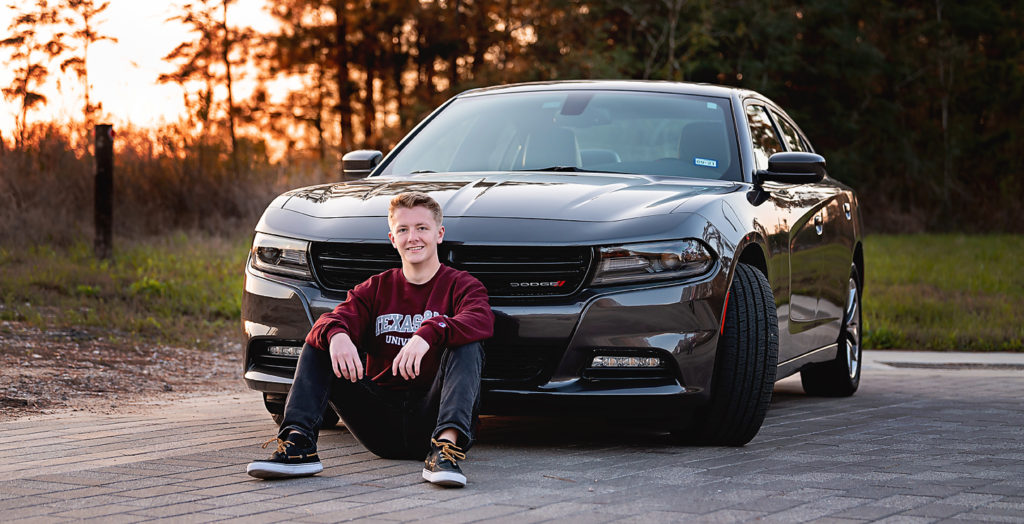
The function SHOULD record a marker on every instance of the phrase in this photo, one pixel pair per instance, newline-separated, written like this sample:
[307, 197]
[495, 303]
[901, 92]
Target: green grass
[944, 292]
[178, 289]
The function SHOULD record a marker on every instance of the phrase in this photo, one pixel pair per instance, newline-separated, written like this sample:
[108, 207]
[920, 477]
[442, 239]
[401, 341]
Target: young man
[418, 328]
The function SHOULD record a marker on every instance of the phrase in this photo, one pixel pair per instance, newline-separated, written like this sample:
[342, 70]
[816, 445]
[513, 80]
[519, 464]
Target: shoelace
[280, 444]
[449, 451]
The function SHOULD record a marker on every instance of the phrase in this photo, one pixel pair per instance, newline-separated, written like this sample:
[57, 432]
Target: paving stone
[478, 513]
[771, 504]
[970, 499]
[96, 511]
[813, 510]
[37, 511]
[28, 501]
[937, 510]
[180, 510]
[250, 509]
[906, 519]
[121, 518]
[724, 516]
[865, 512]
[162, 500]
[651, 517]
[911, 446]
[904, 502]
[425, 512]
[315, 508]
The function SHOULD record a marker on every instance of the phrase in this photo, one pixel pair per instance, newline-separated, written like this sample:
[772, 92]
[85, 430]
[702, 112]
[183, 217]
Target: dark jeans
[395, 424]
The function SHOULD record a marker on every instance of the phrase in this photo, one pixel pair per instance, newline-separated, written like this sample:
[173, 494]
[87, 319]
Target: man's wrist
[428, 333]
[335, 334]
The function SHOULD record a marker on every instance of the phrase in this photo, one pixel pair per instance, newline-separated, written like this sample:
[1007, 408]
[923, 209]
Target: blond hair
[411, 199]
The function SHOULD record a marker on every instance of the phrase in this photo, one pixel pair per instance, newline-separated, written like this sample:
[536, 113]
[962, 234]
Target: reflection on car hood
[592, 197]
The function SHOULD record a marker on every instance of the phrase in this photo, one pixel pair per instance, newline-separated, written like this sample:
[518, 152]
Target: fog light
[284, 351]
[625, 362]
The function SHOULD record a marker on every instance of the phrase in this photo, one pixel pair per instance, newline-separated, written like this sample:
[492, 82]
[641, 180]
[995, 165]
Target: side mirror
[359, 163]
[792, 168]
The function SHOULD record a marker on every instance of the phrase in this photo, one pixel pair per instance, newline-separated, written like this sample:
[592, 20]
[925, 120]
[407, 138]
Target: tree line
[915, 104]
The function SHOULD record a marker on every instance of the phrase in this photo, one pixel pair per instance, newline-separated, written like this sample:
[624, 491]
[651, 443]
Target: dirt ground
[46, 371]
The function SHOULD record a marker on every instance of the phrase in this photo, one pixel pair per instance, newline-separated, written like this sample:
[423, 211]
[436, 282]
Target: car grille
[506, 271]
[339, 267]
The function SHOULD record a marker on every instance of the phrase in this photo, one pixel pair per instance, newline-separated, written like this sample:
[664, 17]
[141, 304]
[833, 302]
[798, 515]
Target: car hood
[554, 196]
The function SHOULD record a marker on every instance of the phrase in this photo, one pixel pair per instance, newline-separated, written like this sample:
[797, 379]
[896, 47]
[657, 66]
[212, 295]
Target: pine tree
[32, 48]
[83, 21]
[207, 60]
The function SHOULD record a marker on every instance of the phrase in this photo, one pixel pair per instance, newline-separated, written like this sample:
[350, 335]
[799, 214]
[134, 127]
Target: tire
[841, 377]
[745, 365]
[276, 410]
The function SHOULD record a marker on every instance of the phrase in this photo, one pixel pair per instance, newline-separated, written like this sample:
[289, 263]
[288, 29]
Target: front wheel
[840, 377]
[745, 366]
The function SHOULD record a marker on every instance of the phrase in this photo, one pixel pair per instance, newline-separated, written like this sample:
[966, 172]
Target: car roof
[660, 86]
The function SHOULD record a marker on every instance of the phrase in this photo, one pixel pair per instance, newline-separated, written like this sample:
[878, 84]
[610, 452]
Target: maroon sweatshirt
[384, 312]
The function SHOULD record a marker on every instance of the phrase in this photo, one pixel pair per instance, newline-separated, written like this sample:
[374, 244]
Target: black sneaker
[441, 466]
[288, 461]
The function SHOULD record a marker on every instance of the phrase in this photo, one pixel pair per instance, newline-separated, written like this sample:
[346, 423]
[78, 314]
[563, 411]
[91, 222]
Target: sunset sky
[123, 74]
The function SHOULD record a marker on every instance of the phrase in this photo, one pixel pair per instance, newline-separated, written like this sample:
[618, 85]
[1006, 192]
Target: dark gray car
[664, 250]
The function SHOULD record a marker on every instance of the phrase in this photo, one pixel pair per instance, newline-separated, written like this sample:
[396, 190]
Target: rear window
[598, 131]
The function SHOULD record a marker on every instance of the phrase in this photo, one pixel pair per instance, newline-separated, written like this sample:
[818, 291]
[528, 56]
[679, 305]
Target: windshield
[598, 131]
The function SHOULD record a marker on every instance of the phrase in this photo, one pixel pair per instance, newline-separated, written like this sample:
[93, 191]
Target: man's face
[415, 234]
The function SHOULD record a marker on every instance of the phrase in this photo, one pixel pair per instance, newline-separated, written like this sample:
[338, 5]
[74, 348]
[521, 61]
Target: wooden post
[104, 195]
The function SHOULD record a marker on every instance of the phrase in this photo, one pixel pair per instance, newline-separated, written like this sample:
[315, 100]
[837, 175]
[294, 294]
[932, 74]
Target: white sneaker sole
[270, 470]
[448, 479]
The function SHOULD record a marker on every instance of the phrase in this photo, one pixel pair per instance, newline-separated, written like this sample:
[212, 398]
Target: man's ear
[440, 234]
[392, 239]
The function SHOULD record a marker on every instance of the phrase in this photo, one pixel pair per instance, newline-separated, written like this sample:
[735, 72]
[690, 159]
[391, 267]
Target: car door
[835, 251]
[836, 256]
[800, 209]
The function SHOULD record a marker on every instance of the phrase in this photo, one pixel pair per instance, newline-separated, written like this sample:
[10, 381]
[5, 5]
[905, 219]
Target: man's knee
[471, 350]
[467, 354]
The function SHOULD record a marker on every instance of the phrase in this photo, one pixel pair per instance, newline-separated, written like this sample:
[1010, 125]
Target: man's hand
[345, 358]
[407, 362]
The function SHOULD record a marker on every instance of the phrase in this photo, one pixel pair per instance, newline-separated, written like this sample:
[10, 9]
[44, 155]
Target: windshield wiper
[421, 171]
[568, 169]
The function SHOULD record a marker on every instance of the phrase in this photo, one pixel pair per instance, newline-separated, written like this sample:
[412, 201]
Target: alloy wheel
[851, 336]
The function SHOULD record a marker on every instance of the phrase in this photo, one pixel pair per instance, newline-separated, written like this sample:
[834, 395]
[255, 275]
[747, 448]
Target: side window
[789, 134]
[762, 134]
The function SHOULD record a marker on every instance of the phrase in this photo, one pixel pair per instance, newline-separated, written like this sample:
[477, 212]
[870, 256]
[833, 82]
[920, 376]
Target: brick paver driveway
[929, 437]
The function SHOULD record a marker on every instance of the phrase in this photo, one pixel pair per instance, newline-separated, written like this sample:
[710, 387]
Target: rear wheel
[745, 366]
[840, 377]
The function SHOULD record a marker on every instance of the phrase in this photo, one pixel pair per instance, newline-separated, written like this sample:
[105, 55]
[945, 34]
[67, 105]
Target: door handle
[818, 224]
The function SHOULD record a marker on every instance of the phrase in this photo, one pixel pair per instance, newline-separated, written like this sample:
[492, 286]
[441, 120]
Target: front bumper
[539, 358]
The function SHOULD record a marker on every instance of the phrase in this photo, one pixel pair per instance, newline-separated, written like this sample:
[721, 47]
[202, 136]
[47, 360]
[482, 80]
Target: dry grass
[164, 180]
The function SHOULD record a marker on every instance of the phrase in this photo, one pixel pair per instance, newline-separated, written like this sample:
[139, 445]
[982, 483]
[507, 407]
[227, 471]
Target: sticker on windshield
[712, 105]
[704, 162]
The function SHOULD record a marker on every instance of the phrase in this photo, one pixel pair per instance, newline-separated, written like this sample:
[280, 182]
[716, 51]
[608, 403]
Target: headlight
[280, 256]
[652, 261]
